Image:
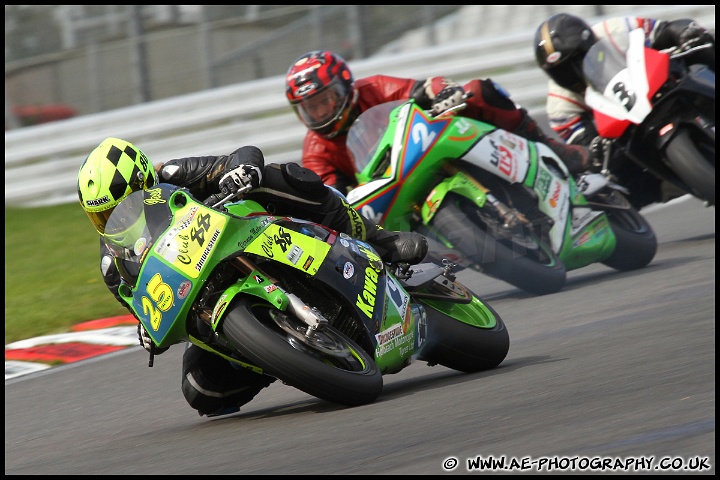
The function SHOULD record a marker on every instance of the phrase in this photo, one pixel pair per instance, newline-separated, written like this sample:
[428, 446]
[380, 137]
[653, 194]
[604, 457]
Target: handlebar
[676, 52]
[231, 196]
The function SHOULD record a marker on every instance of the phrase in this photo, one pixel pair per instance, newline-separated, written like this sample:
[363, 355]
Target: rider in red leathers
[322, 91]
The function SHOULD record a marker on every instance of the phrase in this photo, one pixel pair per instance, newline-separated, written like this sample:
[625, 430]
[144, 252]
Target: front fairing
[399, 151]
[166, 244]
[622, 76]
[640, 97]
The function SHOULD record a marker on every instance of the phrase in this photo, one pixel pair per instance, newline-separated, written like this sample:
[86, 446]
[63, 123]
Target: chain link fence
[65, 60]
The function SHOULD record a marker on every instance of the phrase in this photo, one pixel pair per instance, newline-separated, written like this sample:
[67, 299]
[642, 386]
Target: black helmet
[561, 43]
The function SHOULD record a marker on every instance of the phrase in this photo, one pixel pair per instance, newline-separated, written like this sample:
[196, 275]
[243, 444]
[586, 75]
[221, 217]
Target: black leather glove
[449, 97]
[147, 343]
[244, 177]
[694, 35]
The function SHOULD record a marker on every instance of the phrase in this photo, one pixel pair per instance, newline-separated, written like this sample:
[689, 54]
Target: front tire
[523, 261]
[693, 160]
[636, 243]
[325, 364]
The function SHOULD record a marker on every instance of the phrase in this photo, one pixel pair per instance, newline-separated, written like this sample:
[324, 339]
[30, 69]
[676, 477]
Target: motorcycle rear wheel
[693, 160]
[464, 346]
[324, 363]
[523, 261]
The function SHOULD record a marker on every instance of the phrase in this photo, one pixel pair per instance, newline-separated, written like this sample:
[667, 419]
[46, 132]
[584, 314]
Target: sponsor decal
[366, 300]
[421, 321]
[554, 57]
[258, 278]
[504, 161]
[348, 270]
[186, 220]
[218, 310]
[186, 245]
[388, 335]
[370, 254]
[592, 231]
[543, 183]
[97, 202]
[184, 289]
[308, 262]
[208, 249]
[140, 246]
[290, 248]
[393, 338]
[398, 297]
[555, 196]
[270, 288]
[154, 197]
[294, 255]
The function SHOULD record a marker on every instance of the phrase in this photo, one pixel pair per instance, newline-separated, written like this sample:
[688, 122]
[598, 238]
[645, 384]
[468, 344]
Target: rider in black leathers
[210, 384]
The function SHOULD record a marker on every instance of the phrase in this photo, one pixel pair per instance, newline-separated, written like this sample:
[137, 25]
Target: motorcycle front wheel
[693, 160]
[323, 363]
[636, 243]
[521, 259]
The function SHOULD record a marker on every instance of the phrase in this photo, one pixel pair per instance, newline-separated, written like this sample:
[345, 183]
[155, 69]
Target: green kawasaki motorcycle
[292, 299]
[491, 200]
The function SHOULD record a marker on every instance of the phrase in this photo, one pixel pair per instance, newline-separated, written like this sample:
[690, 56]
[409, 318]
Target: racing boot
[577, 158]
[398, 247]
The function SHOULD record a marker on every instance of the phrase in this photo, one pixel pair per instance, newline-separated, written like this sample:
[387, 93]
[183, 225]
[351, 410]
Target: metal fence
[99, 58]
[41, 162]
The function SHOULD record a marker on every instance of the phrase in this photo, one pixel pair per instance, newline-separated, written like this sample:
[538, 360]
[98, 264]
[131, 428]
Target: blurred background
[183, 80]
[81, 59]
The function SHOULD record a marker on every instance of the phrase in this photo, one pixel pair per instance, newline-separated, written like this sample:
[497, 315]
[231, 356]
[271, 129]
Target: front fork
[463, 184]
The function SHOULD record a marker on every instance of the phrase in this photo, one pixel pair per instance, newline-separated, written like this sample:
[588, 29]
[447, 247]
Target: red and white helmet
[320, 88]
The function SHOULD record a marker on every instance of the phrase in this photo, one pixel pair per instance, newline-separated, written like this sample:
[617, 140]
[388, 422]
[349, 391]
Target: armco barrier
[41, 162]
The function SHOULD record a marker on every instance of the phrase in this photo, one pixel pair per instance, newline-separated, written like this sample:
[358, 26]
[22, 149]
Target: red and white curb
[86, 340]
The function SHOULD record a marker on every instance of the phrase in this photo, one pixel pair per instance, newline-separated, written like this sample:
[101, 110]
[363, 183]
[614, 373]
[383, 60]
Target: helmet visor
[99, 219]
[569, 75]
[320, 110]
[127, 234]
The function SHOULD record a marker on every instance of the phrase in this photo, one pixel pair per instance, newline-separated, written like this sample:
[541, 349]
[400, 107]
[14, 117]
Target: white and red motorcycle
[657, 109]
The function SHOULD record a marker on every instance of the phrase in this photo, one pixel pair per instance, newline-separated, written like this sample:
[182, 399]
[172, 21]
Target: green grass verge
[52, 272]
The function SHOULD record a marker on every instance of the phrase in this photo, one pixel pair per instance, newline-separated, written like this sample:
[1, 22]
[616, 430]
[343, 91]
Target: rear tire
[326, 365]
[525, 262]
[463, 346]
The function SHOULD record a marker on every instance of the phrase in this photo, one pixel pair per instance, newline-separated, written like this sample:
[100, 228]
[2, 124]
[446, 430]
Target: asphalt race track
[615, 374]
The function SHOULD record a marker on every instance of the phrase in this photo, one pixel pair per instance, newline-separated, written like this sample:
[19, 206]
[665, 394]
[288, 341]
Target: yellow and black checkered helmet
[111, 172]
